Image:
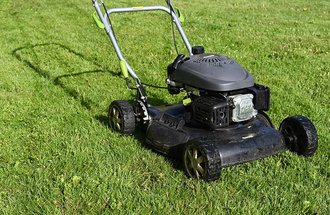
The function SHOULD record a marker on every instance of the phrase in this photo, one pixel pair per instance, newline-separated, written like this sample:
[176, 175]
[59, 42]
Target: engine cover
[212, 72]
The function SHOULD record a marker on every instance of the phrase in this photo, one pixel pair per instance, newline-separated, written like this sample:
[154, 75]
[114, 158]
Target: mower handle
[168, 2]
[108, 28]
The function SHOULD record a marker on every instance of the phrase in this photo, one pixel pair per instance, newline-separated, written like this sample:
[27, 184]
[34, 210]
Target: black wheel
[265, 119]
[121, 117]
[201, 162]
[300, 135]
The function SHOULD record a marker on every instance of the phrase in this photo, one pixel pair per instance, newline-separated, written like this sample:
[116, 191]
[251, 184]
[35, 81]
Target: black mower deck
[168, 133]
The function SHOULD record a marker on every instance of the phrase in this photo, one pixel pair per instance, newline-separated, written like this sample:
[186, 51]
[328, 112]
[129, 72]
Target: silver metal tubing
[110, 33]
[155, 8]
[113, 40]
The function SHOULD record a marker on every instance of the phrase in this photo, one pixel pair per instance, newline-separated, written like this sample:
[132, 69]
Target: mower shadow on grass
[25, 55]
[85, 102]
[58, 80]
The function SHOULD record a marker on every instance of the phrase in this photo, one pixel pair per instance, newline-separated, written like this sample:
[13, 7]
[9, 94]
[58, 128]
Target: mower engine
[221, 91]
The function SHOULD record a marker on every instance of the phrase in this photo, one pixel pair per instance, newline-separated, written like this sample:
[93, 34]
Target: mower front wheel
[121, 117]
[300, 135]
[199, 162]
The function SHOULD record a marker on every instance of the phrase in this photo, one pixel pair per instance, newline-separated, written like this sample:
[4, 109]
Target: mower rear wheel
[199, 162]
[121, 117]
[265, 119]
[300, 135]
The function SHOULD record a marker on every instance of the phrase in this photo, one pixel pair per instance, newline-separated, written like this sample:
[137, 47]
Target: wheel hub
[116, 119]
[194, 161]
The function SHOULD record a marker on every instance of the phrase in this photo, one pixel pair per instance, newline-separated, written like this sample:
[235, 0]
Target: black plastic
[211, 112]
[261, 97]
[212, 72]
[246, 144]
[209, 164]
[265, 119]
[173, 90]
[177, 61]
[300, 135]
[236, 143]
[198, 50]
[170, 70]
[124, 112]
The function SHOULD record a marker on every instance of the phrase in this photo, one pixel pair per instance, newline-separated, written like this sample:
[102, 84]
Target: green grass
[58, 74]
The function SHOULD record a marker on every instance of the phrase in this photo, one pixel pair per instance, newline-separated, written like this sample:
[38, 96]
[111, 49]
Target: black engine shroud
[209, 72]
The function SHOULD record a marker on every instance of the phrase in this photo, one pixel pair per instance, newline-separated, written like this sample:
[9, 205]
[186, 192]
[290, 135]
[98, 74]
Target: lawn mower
[222, 118]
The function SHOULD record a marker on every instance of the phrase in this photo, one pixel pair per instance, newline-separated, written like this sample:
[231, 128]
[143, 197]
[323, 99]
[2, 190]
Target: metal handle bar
[112, 37]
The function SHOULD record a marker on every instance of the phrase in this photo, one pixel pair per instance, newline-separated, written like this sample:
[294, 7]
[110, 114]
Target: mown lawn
[58, 74]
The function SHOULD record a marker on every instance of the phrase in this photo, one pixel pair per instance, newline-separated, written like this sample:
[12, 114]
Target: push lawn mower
[221, 121]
